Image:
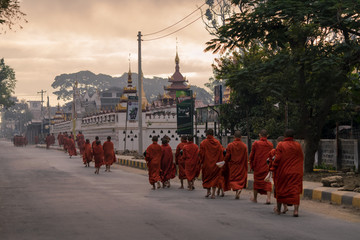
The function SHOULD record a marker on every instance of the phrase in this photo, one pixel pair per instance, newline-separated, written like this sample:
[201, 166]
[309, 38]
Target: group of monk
[227, 169]
[49, 140]
[101, 154]
[160, 163]
[20, 141]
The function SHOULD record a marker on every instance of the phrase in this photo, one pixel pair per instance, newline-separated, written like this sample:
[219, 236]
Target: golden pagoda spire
[129, 73]
[177, 60]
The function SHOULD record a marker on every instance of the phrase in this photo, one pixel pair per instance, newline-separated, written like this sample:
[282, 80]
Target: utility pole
[49, 112]
[41, 114]
[140, 94]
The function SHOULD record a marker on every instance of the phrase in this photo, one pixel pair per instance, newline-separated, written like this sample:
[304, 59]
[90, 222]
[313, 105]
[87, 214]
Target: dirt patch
[351, 180]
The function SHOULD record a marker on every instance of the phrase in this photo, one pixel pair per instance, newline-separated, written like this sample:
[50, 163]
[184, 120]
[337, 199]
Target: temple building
[158, 118]
[178, 82]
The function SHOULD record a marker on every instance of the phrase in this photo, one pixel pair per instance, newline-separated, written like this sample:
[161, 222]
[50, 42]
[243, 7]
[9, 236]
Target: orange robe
[52, 138]
[153, 159]
[48, 141]
[98, 153]
[259, 153]
[179, 159]
[109, 153]
[168, 169]
[271, 167]
[211, 152]
[65, 142]
[60, 138]
[237, 160]
[191, 159]
[289, 169]
[80, 142]
[71, 147]
[87, 155]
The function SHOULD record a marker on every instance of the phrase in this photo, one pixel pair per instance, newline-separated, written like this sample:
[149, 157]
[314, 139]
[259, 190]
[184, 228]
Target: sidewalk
[311, 190]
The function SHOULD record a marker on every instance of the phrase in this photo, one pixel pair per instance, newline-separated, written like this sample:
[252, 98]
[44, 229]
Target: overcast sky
[67, 36]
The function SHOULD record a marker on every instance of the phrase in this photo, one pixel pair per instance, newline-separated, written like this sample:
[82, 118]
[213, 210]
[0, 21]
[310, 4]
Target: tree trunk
[311, 146]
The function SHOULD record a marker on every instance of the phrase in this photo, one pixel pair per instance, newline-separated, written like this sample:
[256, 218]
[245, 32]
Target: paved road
[46, 195]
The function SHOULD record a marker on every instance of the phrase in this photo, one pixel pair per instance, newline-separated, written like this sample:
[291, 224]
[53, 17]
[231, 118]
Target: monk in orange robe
[60, 139]
[223, 183]
[237, 159]
[258, 156]
[211, 152]
[71, 147]
[288, 167]
[48, 141]
[153, 159]
[98, 153]
[168, 168]
[180, 160]
[109, 154]
[52, 137]
[80, 140]
[87, 155]
[65, 141]
[271, 173]
[191, 160]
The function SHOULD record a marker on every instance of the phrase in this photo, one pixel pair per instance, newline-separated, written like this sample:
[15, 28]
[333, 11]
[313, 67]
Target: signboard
[218, 95]
[185, 113]
[207, 114]
[132, 109]
[183, 95]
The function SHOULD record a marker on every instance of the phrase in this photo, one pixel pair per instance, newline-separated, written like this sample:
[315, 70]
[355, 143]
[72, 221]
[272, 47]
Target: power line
[152, 39]
[176, 22]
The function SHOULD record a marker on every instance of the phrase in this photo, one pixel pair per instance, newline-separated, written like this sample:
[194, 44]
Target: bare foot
[285, 209]
[276, 211]
[253, 200]
[212, 196]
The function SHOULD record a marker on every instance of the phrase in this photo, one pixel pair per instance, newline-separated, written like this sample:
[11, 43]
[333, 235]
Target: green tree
[310, 49]
[7, 84]
[10, 14]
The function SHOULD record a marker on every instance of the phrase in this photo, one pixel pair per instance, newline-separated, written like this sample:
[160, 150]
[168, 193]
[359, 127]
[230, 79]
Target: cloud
[70, 36]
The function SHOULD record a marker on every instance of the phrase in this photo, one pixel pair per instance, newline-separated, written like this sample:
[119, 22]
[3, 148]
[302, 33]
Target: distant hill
[88, 81]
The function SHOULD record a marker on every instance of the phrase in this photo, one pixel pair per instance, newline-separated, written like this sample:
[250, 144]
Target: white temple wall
[113, 124]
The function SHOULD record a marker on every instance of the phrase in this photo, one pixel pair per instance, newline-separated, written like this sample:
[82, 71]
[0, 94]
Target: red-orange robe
[237, 160]
[223, 182]
[87, 155]
[60, 138]
[52, 139]
[109, 153]
[168, 169]
[153, 159]
[211, 152]
[271, 168]
[98, 153]
[80, 140]
[179, 159]
[65, 141]
[289, 168]
[71, 147]
[259, 153]
[48, 141]
[191, 159]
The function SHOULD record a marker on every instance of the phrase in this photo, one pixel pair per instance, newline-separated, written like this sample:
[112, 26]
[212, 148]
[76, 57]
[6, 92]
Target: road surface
[46, 195]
